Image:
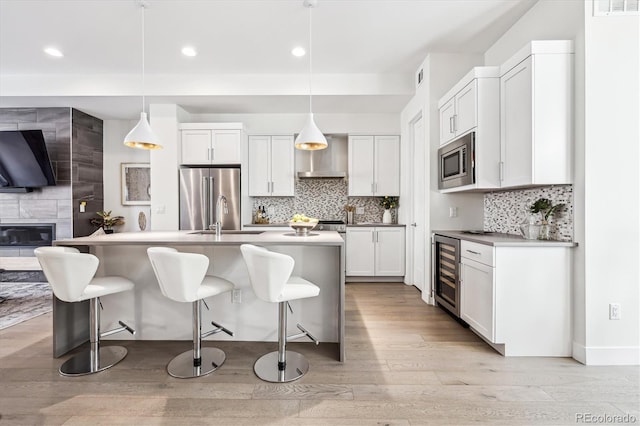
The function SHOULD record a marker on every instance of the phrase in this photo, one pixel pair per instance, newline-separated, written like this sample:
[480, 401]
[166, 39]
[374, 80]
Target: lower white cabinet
[375, 251]
[477, 304]
[518, 297]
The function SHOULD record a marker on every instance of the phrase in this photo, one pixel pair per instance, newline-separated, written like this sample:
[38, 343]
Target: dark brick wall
[86, 172]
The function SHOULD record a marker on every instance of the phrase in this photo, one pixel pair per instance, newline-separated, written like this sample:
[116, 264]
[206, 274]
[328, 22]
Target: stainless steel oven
[456, 162]
[446, 272]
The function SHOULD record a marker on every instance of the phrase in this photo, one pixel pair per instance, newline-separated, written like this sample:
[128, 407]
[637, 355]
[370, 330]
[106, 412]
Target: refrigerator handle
[211, 201]
[205, 203]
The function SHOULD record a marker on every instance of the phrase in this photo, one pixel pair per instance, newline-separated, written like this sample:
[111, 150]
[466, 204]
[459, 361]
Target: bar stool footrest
[266, 367]
[80, 364]
[182, 366]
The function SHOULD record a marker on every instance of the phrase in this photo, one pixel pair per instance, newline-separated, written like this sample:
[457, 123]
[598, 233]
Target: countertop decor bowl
[303, 228]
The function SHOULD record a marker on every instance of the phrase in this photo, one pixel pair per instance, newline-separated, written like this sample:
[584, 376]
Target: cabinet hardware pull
[272, 186]
[213, 154]
[455, 122]
[373, 236]
[501, 170]
[414, 224]
[474, 252]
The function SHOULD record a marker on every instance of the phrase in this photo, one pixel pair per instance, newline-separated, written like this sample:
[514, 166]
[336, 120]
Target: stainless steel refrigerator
[199, 191]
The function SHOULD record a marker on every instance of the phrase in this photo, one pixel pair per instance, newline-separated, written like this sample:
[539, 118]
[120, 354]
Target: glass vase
[545, 231]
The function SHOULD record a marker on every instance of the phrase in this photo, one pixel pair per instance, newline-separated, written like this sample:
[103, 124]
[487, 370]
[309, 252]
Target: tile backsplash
[505, 211]
[320, 198]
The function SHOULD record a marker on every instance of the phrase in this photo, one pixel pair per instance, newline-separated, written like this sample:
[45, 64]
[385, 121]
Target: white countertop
[504, 240]
[315, 238]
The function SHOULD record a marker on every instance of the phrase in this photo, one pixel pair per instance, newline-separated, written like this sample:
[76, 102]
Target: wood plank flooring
[407, 364]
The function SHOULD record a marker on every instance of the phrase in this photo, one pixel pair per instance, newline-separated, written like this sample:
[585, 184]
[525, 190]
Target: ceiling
[365, 53]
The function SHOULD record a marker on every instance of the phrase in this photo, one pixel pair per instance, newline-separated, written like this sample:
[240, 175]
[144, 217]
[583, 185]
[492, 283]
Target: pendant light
[142, 136]
[310, 137]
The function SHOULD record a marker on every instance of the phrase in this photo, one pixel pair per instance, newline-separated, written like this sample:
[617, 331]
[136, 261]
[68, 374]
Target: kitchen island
[319, 257]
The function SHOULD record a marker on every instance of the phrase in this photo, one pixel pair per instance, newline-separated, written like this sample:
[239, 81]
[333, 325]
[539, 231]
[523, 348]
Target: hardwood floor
[407, 364]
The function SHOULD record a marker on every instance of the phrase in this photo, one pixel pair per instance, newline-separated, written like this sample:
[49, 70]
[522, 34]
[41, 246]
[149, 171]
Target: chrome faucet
[220, 204]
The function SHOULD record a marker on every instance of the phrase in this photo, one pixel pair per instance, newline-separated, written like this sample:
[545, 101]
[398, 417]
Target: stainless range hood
[330, 162]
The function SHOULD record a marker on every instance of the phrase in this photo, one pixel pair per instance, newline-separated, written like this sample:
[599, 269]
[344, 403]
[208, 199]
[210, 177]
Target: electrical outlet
[614, 311]
[359, 210]
[236, 296]
[453, 212]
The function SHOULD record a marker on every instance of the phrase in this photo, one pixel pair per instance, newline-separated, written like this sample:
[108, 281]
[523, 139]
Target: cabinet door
[447, 113]
[477, 297]
[361, 155]
[196, 146]
[360, 251]
[389, 253]
[226, 147]
[259, 176]
[387, 166]
[515, 125]
[282, 166]
[466, 118]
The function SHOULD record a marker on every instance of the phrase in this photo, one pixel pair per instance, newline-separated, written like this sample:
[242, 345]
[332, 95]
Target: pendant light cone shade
[310, 137]
[142, 136]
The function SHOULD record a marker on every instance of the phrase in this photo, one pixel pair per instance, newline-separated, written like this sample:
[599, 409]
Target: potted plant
[388, 203]
[106, 221]
[546, 208]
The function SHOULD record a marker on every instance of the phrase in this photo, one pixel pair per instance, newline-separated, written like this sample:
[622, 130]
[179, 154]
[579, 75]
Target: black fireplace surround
[27, 234]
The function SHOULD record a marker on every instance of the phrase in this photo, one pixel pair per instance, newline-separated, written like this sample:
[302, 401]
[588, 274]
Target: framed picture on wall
[136, 184]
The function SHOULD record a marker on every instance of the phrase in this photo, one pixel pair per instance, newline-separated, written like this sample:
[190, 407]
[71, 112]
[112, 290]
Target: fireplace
[15, 235]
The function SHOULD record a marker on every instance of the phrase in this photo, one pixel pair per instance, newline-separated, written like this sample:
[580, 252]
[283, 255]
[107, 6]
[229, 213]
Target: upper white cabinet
[473, 105]
[536, 91]
[374, 165]
[458, 114]
[211, 143]
[271, 166]
[375, 251]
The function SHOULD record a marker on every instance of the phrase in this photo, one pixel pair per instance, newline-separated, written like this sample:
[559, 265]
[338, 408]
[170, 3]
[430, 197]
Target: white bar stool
[270, 276]
[71, 275]
[182, 277]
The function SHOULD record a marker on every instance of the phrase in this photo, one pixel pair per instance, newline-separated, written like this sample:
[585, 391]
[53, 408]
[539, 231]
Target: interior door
[417, 232]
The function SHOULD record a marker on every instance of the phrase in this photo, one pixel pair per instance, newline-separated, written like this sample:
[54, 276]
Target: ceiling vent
[616, 7]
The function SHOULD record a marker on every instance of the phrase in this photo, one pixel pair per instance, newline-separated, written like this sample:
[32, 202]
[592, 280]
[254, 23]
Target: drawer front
[478, 252]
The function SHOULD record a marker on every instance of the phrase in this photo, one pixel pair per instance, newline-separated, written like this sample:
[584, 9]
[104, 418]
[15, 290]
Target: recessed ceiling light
[189, 51]
[52, 51]
[298, 51]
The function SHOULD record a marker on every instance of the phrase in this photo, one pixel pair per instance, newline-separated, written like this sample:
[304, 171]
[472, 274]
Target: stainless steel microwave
[456, 161]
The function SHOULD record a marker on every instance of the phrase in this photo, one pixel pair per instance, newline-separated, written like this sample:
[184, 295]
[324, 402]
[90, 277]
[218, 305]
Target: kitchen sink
[226, 231]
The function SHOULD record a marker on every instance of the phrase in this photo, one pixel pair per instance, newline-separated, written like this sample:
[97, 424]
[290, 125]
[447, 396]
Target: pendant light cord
[143, 5]
[310, 60]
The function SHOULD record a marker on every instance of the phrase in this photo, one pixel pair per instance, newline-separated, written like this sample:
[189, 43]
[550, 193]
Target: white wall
[292, 123]
[116, 153]
[612, 188]
[441, 71]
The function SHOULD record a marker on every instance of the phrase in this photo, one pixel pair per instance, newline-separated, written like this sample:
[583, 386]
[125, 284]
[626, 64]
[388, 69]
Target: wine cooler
[446, 264]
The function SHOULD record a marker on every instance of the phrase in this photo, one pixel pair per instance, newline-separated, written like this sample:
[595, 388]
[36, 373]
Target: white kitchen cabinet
[458, 114]
[271, 166]
[518, 298]
[375, 251]
[477, 296]
[536, 115]
[473, 105]
[205, 144]
[374, 165]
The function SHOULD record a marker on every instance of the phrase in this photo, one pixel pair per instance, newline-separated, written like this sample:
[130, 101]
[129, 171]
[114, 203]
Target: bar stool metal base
[181, 367]
[80, 364]
[266, 367]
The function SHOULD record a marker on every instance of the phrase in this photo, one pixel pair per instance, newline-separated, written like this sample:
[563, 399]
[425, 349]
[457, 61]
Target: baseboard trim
[606, 355]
